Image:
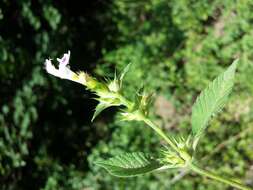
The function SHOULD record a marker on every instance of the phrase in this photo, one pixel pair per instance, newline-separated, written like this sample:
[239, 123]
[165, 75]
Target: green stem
[129, 105]
[217, 178]
[161, 133]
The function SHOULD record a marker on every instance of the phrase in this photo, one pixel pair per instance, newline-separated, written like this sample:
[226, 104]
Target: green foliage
[130, 164]
[108, 93]
[176, 48]
[211, 100]
[28, 29]
[99, 108]
[22, 80]
[15, 121]
[52, 16]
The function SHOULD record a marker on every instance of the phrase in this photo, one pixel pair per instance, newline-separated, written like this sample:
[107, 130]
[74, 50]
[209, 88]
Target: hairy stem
[161, 133]
[156, 128]
[217, 178]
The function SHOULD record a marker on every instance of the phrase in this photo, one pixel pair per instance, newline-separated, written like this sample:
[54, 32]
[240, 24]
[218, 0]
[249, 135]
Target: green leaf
[211, 100]
[125, 70]
[99, 108]
[123, 73]
[130, 164]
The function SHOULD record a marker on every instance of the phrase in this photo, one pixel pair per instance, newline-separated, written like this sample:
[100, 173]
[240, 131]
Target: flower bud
[114, 86]
[172, 158]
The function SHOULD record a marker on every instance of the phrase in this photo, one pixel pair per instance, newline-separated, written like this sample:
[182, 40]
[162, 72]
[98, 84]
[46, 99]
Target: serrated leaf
[99, 108]
[211, 100]
[130, 164]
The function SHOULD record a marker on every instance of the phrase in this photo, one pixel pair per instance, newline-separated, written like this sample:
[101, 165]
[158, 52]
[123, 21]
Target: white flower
[63, 70]
[64, 60]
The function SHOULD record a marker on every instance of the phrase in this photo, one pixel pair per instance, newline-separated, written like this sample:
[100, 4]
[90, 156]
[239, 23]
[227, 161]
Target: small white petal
[63, 72]
[64, 60]
[50, 68]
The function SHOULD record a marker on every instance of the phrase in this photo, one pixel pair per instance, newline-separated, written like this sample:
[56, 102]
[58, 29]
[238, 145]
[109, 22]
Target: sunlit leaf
[211, 100]
[130, 164]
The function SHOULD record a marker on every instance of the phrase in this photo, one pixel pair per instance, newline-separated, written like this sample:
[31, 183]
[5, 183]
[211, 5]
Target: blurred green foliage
[176, 47]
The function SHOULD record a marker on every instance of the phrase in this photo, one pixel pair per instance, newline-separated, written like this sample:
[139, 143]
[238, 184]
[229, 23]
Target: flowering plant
[179, 151]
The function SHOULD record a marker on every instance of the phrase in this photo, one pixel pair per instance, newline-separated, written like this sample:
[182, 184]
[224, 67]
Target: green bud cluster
[140, 108]
[183, 147]
[181, 158]
[109, 93]
[171, 158]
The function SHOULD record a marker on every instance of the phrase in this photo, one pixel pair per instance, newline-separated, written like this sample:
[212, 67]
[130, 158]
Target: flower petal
[64, 71]
[50, 68]
[64, 60]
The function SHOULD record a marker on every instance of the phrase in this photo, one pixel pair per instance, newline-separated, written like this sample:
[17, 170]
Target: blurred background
[47, 141]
